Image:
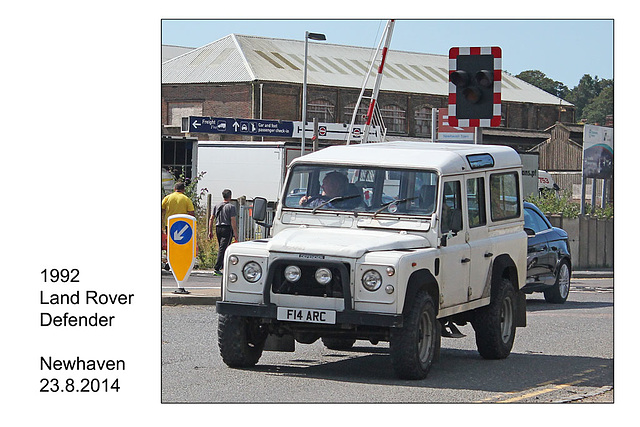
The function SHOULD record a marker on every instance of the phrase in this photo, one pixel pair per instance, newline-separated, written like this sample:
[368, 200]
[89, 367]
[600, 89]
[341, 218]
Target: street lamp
[307, 37]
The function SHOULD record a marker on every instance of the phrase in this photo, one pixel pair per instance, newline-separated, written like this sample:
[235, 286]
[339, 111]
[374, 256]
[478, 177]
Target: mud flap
[276, 343]
[521, 309]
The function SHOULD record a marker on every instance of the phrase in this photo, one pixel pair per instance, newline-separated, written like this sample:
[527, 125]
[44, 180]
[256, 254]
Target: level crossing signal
[475, 90]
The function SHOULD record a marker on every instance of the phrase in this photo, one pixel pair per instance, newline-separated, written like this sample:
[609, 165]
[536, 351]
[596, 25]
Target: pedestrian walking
[224, 218]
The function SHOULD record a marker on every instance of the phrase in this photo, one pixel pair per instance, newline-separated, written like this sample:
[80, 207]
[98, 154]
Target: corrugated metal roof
[238, 58]
[170, 51]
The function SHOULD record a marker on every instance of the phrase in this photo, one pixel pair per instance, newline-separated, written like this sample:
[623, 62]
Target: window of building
[423, 122]
[321, 109]
[395, 118]
[360, 117]
[178, 110]
[177, 157]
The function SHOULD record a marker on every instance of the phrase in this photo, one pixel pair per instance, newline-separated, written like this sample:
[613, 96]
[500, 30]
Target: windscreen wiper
[384, 205]
[334, 199]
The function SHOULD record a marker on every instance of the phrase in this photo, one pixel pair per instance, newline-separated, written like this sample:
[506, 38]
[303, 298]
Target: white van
[546, 182]
[423, 237]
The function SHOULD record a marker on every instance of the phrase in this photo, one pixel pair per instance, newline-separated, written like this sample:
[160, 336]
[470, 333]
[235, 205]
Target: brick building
[261, 78]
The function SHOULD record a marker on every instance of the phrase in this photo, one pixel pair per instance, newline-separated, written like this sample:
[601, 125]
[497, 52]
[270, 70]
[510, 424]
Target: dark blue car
[548, 257]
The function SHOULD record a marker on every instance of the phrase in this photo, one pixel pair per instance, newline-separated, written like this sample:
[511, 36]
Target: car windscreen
[361, 189]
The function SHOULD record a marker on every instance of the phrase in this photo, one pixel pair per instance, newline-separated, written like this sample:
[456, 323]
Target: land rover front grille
[307, 284]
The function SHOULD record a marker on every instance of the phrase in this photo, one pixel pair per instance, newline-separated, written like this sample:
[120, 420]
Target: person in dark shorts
[224, 217]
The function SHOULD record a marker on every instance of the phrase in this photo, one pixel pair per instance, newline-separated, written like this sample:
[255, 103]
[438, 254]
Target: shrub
[551, 203]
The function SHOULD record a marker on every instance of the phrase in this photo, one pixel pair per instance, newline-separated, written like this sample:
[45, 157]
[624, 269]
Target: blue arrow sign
[181, 232]
[250, 127]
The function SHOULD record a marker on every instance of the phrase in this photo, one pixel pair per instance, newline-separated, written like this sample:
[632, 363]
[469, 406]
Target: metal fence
[247, 227]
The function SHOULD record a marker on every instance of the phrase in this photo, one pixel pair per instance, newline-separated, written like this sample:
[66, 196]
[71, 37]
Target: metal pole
[593, 196]
[434, 124]
[376, 86]
[304, 91]
[315, 134]
[583, 196]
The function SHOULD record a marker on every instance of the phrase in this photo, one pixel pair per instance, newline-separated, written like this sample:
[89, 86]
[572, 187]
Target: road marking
[549, 386]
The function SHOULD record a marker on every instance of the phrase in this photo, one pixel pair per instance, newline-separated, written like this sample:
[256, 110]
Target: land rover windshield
[377, 191]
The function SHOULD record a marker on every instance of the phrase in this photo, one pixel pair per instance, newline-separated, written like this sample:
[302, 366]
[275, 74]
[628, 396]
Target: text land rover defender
[397, 242]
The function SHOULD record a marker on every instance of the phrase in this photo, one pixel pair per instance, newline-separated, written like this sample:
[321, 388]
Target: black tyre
[559, 293]
[414, 346]
[333, 343]
[241, 341]
[495, 324]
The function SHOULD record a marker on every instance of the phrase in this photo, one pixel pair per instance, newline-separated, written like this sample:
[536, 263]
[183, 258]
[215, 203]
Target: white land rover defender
[397, 242]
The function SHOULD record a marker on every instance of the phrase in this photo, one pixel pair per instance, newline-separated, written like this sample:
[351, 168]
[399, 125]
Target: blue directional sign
[250, 127]
[181, 232]
[181, 246]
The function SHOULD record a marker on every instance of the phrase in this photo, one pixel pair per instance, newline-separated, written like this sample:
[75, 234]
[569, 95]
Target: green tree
[602, 105]
[540, 80]
[586, 92]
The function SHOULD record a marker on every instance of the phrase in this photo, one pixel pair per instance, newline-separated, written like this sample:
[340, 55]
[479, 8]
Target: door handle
[465, 260]
[488, 255]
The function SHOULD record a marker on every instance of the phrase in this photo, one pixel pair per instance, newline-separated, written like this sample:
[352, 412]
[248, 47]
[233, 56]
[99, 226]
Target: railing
[247, 227]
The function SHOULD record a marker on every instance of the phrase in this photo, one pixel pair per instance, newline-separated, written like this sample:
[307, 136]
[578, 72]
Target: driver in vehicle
[334, 185]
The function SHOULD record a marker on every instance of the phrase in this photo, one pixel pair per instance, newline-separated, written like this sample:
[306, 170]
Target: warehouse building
[261, 78]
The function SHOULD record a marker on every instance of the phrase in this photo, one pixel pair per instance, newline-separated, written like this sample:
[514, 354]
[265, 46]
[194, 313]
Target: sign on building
[274, 128]
[245, 127]
[448, 133]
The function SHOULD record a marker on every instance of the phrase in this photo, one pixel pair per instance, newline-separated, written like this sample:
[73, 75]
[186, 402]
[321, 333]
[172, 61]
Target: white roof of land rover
[444, 158]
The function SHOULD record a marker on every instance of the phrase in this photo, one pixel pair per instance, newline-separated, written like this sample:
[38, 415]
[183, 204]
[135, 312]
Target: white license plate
[307, 315]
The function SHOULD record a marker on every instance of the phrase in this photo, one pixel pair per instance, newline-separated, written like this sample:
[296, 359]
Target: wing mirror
[259, 214]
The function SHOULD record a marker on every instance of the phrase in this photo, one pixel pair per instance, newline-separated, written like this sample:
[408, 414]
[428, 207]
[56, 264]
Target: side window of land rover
[505, 196]
[451, 207]
[475, 202]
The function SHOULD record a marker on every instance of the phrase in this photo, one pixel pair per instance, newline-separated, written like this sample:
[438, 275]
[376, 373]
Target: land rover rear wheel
[414, 346]
[495, 324]
[241, 341]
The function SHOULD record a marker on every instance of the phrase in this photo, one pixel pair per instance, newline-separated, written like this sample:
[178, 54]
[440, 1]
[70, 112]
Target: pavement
[209, 295]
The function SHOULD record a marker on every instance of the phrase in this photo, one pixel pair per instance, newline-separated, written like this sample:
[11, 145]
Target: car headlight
[252, 271]
[323, 276]
[371, 280]
[292, 273]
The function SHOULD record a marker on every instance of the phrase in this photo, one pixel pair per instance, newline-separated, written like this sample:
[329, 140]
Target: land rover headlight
[371, 280]
[252, 271]
[323, 276]
[292, 273]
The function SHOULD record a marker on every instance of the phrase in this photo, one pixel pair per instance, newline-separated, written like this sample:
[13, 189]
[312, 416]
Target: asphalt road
[565, 354]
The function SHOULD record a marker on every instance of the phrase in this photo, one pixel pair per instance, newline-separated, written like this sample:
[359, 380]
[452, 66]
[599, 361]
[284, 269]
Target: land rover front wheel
[495, 324]
[241, 340]
[414, 345]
